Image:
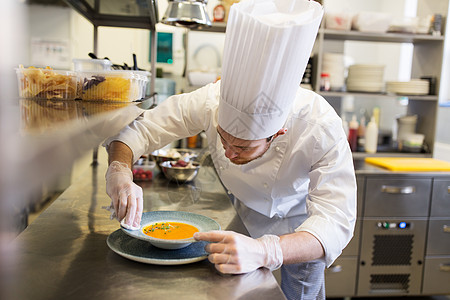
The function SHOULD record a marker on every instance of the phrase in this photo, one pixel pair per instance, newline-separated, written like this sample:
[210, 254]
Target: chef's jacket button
[277, 148]
[228, 192]
[266, 185]
[221, 168]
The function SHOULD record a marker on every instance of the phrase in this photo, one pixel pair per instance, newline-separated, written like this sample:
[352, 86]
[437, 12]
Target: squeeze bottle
[353, 133]
[371, 142]
[361, 131]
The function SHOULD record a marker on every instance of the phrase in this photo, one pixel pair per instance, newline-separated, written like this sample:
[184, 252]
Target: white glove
[235, 253]
[126, 196]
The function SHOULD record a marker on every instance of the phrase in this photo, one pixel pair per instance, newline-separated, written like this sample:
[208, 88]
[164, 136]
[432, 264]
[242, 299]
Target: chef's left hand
[234, 253]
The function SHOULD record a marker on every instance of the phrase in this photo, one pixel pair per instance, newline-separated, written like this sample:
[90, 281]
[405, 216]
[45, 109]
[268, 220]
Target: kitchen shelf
[216, 27]
[378, 95]
[139, 14]
[389, 37]
[426, 60]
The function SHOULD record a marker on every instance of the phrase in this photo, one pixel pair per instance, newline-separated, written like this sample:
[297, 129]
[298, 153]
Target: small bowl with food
[171, 229]
[163, 155]
[180, 170]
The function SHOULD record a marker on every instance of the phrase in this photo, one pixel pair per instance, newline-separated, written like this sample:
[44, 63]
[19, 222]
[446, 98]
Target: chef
[280, 150]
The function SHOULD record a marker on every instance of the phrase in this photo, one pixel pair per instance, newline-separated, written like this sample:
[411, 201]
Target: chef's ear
[282, 131]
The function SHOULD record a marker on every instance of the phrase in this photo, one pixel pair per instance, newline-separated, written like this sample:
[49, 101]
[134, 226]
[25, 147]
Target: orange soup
[170, 230]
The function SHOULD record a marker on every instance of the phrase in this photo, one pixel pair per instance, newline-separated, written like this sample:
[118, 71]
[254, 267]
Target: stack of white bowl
[333, 64]
[412, 87]
[365, 78]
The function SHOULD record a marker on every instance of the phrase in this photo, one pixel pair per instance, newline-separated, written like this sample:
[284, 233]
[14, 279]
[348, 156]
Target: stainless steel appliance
[391, 258]
[401, 245]
[393, 237]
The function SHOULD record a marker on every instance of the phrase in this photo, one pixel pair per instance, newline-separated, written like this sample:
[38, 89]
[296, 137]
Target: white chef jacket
[304, 182]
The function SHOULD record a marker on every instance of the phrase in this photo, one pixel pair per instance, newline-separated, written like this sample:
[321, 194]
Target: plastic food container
[338, 21]
[411, 142]
[144, 78]
[36, 83]
[371, 22]
[120, 86]
[143, 172]
[86, 65]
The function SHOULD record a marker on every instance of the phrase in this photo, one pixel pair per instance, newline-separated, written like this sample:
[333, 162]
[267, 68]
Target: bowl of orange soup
[171, 229]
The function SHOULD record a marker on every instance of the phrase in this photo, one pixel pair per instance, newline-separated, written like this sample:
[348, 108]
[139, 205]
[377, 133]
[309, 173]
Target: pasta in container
[121, 86]
[38, 83]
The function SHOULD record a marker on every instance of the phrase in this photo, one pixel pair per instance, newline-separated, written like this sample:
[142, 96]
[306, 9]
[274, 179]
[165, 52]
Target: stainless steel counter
[63, 254]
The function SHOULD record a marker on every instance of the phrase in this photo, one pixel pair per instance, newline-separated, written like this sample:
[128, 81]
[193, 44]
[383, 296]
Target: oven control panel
[394, 225]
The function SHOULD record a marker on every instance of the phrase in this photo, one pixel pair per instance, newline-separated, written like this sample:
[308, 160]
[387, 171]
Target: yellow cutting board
[409, 163]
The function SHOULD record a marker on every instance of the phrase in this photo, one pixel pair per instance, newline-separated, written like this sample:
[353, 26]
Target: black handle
[135, 67]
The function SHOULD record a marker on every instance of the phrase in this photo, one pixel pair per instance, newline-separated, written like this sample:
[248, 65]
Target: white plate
[144, 252]
[367, 66]
[413, 87]
[202, 223]
[364, 89]
[365, 82]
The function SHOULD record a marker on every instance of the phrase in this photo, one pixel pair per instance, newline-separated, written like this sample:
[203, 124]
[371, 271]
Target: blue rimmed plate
[202, 223]
[144, 252]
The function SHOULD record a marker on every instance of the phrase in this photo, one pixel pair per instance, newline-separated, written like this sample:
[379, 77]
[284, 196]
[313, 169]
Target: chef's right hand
[126, 196]
[235, 253]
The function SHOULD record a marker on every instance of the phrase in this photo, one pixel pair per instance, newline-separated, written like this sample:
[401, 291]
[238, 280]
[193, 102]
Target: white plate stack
[365, 78]
[412, 87]
[333, 64]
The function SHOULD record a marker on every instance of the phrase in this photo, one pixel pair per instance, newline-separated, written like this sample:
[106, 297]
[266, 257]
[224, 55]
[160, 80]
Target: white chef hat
[267, 46]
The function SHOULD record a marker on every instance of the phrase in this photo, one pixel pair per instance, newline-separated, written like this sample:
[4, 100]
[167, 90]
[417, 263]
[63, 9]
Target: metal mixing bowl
[179, 174]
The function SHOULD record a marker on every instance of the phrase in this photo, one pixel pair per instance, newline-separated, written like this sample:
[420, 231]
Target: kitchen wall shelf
[427, 60]
[388, 37]
[137, 14]
[378, 95]
[216, 27]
